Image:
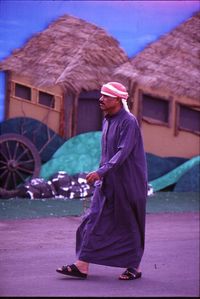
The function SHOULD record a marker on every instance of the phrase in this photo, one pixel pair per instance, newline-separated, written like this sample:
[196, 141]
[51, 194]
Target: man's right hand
[92, 177]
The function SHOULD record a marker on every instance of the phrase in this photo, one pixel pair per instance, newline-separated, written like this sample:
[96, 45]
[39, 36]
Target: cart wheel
[45, 139]
[19, 159]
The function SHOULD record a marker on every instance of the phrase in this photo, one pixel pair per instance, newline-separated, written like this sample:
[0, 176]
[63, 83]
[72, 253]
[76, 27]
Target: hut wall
[165, 140]
[162, 142]
[19, 107]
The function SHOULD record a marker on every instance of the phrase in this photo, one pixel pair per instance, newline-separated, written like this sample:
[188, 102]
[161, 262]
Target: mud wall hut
[56, 76]
[164, 88]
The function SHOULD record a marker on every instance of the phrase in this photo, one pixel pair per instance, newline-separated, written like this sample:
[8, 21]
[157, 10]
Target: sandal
[130, 274]
[73, 272]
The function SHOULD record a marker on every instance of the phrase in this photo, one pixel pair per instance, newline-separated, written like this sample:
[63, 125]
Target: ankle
[138, 269]
[82, 266]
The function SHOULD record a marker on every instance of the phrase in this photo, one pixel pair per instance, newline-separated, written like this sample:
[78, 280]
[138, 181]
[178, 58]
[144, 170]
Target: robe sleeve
[126, 143]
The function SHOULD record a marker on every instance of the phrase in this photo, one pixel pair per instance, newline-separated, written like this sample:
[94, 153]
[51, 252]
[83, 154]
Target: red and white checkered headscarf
[114, 90]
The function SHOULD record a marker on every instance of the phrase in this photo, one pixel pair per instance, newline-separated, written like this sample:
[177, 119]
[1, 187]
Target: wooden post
[68, 103]
[75, 115]
[8, 94]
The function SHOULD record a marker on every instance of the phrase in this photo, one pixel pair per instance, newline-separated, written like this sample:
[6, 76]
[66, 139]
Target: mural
[54, 59]
[133, 23]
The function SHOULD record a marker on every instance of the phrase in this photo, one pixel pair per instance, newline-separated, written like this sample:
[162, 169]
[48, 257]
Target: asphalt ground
[33, 247]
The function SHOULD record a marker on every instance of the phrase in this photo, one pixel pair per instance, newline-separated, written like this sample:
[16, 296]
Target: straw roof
[70, 52]
[171, 63]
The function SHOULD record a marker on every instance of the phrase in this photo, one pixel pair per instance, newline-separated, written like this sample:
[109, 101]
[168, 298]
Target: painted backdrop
[133, 23]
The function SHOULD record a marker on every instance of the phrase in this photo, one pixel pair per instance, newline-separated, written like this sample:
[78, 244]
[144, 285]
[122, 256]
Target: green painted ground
[20, 208]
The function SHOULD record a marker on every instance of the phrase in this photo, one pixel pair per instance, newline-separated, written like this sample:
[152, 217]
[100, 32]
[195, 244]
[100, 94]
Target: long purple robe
[113, 233]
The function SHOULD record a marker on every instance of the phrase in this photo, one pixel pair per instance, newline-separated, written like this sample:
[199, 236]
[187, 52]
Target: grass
[25, 208]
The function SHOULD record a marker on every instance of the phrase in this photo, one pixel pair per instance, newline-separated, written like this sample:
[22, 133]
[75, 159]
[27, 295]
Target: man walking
[113, 233]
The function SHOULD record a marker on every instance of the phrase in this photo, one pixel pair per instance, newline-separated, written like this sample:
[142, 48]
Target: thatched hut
[164, 85]
[56, 75]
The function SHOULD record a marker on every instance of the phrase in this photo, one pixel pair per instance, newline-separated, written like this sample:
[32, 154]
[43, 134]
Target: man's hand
[92, 177]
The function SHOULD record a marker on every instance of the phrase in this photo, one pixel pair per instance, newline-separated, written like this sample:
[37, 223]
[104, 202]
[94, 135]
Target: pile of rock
[60, 185]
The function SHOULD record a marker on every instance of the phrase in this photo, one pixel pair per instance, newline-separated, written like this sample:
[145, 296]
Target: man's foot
[71, 270]
[130, 274]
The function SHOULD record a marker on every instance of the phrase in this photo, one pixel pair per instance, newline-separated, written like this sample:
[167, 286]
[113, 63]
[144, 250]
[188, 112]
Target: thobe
[113, 233]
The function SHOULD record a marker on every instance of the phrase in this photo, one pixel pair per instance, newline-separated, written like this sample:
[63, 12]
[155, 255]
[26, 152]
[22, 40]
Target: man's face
[108, 103]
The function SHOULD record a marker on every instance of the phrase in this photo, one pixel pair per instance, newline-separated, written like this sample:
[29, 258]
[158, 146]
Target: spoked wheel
[19, 159]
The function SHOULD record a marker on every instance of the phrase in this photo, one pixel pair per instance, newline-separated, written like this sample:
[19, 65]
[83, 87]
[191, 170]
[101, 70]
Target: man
[113, 233]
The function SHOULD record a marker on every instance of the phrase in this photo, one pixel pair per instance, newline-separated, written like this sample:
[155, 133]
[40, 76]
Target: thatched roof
[171, 63]
[70, 52]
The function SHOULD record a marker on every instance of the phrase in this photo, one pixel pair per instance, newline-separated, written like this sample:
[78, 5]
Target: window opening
[46, 99]
[22, 91]
[189, 119]
[155, 109]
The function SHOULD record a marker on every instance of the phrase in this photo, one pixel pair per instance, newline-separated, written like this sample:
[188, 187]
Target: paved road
[31, 250]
